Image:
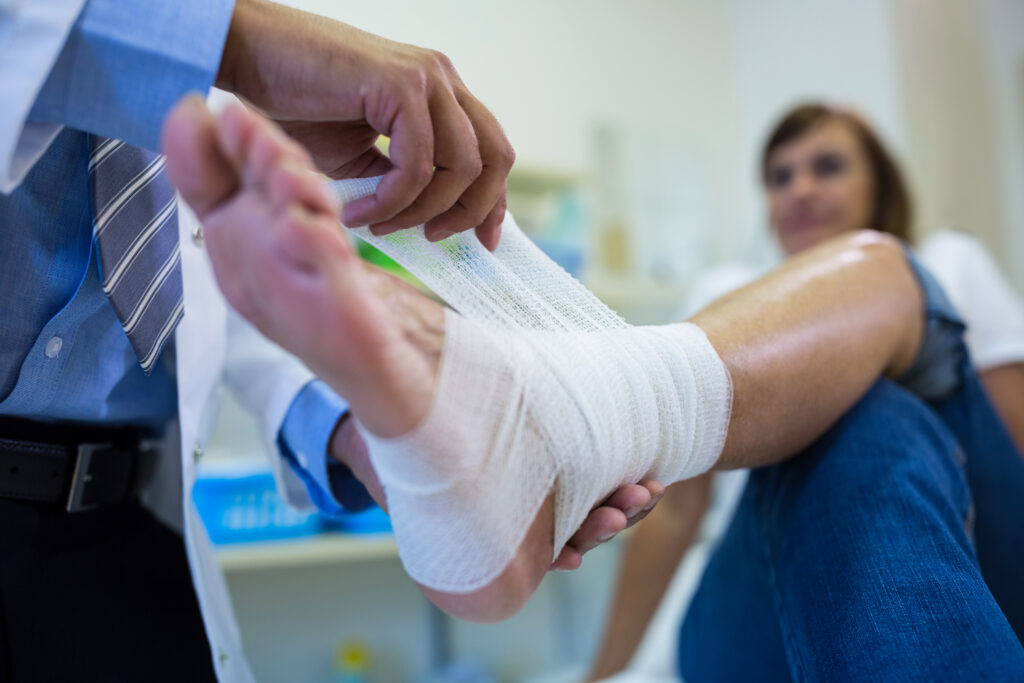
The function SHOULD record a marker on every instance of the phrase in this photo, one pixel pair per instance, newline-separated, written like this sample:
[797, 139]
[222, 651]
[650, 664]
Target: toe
[196, 164]
[273, 162]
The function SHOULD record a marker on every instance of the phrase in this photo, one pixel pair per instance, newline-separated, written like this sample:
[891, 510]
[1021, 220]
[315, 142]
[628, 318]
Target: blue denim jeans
[892, 549]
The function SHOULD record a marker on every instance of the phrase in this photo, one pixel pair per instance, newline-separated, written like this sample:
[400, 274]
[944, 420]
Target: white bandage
[541, 387]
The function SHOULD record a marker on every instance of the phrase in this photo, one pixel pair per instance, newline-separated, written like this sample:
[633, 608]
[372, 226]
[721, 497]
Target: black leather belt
[78, 468]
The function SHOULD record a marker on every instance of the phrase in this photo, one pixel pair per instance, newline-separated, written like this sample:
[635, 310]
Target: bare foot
[283, 262]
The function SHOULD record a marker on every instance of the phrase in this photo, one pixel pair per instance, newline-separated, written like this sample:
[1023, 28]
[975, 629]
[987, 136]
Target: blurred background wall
[638, 127]
[700, 82]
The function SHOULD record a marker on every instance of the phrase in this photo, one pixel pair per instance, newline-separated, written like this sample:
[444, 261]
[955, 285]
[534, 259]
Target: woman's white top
[992, 309]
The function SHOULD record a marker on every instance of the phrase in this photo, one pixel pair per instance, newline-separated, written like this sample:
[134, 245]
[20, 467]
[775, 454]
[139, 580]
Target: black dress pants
[104, 595]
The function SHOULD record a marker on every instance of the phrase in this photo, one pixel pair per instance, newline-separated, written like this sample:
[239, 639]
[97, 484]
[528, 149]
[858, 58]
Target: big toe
[195, 162]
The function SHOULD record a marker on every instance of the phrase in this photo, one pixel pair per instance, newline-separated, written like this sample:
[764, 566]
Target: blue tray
[246, 508]
[243, 509]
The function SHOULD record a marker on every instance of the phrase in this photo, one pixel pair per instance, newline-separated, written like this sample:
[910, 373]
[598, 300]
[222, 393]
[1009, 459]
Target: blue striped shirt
[63, 353]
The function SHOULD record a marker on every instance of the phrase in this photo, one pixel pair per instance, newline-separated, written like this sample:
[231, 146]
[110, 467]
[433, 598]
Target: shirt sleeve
[125, 63]
[304, 439]
[32, 35]
[990, 306]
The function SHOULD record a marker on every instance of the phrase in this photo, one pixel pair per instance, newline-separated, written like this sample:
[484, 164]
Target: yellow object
[352, 656]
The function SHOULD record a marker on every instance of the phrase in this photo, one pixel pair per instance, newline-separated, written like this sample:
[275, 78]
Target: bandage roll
[542, 389]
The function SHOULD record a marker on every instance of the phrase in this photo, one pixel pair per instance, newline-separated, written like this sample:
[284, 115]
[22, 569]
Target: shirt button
[197, 452]
[53, 347]
[222, 657]
[197, 235]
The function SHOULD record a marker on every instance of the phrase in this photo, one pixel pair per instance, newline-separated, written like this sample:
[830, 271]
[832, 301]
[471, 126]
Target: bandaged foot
[540, 387]
[473, 416]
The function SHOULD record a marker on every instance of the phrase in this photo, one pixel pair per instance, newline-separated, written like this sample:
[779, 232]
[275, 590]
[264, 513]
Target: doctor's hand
[335, 89]
[625, 507]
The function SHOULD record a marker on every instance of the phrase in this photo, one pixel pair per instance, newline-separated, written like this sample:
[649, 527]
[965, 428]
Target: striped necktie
[136, 231]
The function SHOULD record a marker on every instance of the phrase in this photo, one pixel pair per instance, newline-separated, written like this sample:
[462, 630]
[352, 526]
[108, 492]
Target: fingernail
[353, 217]
[194, 99]
[650, 506]
[441, 236]
[606, 537]
[632, 510]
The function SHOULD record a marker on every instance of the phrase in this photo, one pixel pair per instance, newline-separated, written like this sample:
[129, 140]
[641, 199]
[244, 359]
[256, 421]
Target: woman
[845, 313]
[825, 173]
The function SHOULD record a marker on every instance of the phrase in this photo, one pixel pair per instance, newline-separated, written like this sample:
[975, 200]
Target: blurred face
[819, 185]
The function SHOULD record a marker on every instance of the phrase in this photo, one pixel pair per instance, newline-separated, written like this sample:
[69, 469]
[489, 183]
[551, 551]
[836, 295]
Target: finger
[196, 165]
[339, 149]
[489, 232]
[457, 164]
[568, 560]
[497, 156]
[412, 159]
[600, 526]
[370, 163]
[291, 182]
[273, 161]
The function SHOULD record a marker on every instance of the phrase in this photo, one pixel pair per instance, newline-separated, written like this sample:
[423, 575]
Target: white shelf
[327, 548]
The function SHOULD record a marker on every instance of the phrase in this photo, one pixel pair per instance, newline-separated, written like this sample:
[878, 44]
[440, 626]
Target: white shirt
[988, 303]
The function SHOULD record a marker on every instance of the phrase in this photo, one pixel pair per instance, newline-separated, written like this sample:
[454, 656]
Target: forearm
[274, 56]
[805, 342]
[649, 563]
[1005, 387]
[103, 60]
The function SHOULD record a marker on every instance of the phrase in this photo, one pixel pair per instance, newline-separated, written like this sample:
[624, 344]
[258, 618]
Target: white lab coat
[213, 345]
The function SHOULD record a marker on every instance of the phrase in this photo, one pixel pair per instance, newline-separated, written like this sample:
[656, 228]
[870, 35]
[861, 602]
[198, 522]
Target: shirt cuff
[304, 439]
[125, 64]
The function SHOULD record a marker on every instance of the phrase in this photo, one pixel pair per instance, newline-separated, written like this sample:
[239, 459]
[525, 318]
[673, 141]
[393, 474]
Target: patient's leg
[883, 496]
[801, 346]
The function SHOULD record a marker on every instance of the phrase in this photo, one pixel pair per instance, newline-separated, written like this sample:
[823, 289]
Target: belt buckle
[81, 477]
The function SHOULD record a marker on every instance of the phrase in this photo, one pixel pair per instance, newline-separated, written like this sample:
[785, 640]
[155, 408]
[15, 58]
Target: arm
[31, 38]
[71, 62]
[448, 157]
[649, 562]
[1005, 387]
[334, 88]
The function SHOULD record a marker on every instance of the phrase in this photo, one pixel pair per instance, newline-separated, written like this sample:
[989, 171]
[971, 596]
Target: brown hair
[893, 210]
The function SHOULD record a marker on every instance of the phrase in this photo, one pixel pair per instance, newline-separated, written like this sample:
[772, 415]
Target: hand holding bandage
[284, 263]
[335, 88]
